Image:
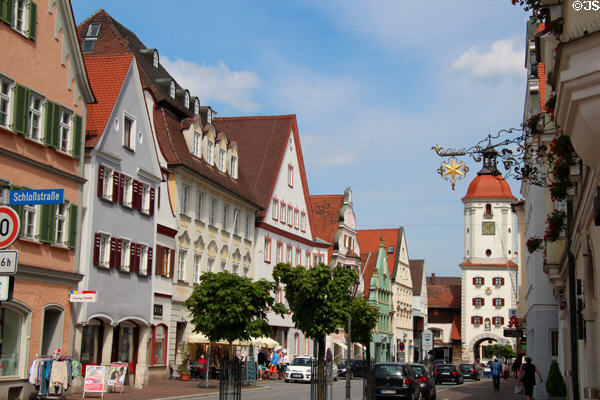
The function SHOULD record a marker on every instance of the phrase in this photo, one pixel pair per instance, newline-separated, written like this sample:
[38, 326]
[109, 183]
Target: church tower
[488, 269]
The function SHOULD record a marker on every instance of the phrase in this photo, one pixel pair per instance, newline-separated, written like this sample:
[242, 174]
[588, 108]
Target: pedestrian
[202, 367]
[262, 361]
[284, 360]
[527, 377]
[274, 365]
[496, 368]
[516, 366]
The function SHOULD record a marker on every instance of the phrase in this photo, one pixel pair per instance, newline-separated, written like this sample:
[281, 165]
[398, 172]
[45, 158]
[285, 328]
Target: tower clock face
[488, 228]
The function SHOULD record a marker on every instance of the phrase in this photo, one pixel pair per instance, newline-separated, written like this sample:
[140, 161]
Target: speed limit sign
[9, 226]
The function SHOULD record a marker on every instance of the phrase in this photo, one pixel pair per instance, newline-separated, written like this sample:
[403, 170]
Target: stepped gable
[106, 74]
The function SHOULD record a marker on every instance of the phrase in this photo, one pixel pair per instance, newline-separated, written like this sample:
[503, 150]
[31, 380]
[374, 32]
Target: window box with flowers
[562, 157]
[555, 224]
[535, 243]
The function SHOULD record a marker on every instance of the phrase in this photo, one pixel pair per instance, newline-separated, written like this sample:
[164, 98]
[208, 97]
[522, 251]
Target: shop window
[52, 330]
[125, 345]
[159, 348]
[13, 332]
[90, 343]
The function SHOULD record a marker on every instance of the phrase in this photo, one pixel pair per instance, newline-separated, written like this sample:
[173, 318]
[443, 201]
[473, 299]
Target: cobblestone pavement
[479, 390]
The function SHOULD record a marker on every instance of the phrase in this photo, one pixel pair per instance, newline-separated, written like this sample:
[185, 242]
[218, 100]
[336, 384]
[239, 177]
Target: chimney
[433, 278]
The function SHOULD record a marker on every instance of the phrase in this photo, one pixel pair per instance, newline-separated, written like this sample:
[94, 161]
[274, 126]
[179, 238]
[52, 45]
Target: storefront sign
[401, 346]
[427, 338]
[513, 333]
[82, 296]
[158, 309]
[117, 374]
[45, 196]
[94, 378]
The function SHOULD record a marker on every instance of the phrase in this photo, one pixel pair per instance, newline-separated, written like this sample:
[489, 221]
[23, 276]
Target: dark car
[426, 380]
[470, 371]
[438, 362]
[358, 368]
[448, 373]
[395, 381]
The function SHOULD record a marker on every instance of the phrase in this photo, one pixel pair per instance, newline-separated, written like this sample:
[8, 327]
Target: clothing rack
[42, 378]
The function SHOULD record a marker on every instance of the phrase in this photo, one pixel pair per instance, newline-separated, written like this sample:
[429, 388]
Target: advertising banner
[116, 376]
[94, 378]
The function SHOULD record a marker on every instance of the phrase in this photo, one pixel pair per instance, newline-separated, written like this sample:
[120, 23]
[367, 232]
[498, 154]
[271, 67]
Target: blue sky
[373, 84]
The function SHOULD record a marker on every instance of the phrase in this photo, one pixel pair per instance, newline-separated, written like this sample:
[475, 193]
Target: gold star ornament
[452, 171]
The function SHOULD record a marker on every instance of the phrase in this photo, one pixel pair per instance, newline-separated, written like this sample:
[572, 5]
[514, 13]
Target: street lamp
[349, 337]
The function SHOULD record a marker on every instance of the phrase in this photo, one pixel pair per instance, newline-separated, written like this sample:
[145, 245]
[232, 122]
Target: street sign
[513, 333]
[44, 196]
[82, 296]
[8, 262]
[5, 288]
[9, 226]
[401, 346]
[427, 338]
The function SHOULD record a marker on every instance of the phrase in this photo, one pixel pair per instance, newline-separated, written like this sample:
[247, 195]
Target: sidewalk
[481, 390]
[164, 389]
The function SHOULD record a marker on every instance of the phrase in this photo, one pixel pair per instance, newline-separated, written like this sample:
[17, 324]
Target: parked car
[395, 381]
[426, 379]
[438, 362]
[299, 370]
[448, 373]
[470, 371]
[358, 368]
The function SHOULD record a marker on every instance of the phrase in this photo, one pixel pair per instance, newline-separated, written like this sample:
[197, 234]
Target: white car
[299, 370]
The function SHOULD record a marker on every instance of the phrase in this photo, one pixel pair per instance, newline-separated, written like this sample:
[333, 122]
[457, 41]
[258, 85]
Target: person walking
[516, 366]
[527, 377]
[496, 368]
[274, 369]
[262, 362]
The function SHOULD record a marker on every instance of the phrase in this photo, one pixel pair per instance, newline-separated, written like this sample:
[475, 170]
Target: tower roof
[489, 187]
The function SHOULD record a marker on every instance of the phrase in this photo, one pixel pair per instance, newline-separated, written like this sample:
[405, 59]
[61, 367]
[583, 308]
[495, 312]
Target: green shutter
[6, 11]
[20, 121]
[47, 225]
[32, 20]
[19, 210]
[77, 136]
[3, 7]
[72, 226]
[49, 122]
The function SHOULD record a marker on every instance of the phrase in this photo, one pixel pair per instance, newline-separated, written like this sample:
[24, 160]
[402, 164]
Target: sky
[374, 86]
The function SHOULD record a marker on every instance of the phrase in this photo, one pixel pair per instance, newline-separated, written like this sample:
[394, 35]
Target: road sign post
[427, 340]
[9, 226]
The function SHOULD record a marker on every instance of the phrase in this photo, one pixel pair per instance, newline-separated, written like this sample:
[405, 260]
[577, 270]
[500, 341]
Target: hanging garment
[33, 372]
[59, 374]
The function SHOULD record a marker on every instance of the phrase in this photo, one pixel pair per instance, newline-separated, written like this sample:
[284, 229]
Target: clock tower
[488, 270]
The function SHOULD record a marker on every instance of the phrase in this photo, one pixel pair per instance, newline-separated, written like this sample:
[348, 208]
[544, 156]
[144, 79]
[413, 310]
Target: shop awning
[264, 342]
[342, 345]
[198, 338]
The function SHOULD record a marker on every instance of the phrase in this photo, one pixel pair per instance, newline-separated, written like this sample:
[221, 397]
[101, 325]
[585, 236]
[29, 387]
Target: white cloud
[503, 58]
[216, 83]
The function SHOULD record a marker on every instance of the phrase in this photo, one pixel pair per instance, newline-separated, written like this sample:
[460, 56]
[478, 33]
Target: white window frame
[155, 60]
[247, 227]
[143, 267]
[224, 216]
[236, 222]
[209, 152]
[234, 167]
[197, 144]
[125, 254]
[199, 205]
[267, 250]
[196, 274]
[25, 313]
[21, 16]
[303, 221]
[212, 220]
[282, 208]
[145, 198]
[196, 106]
[107, 183]
[129, 135]
[172, 89]
[104, 256]
[6, 89]
[296, 218]
[221, 161]
[288, 254]
[290, 215]
[34, 113]
[65, 129]
[185, 195]
[235, 268]
[210, 264]
[127, 190]
[298, 257]
[186, 99]
[60, 221]
[290, 179]
[279, 254]
[91, 32]
[275, 209]
[181, 265]
[30, 221]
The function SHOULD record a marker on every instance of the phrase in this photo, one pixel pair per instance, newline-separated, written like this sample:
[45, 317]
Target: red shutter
[115, 194]
[134, 197]
[113, 252]
[138, 251]
[172, 266]
[502, 281]
[473, 320]
[159, 260]
[140, 202]
[149, 267]
[474, 281]
[100, 188]
[131, 256]
[152, 201]
[502, 302]
[121, 188]
[119, 249]
[482, 281]
[97, 248]
[473, 300]
[501, 320]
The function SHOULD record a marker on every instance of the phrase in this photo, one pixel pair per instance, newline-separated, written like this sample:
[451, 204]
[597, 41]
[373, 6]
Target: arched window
[186, 99]
[159, 345]
[14, 323]
[488, 210]
[52, 329]
[196, 106]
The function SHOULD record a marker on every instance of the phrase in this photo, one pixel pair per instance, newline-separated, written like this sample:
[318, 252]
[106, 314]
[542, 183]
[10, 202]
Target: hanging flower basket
[533, 122]
[534, 243]
[554, 225]
[550, 104]
[562, 155]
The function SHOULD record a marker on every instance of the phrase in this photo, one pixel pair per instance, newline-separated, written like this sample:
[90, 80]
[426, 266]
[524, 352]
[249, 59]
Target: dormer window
[221, 164]
[93, 29]
[234, 167]
[209, 152]
[186, 99]
[209, 116]
[196, 106]
[155, 59]
[197, 144]
[89, 42]
[172, 89]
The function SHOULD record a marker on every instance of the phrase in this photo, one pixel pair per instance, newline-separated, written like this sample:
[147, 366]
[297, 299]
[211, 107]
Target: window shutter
[100, 188]
[131, 256]
[502, 281]
[6, 7]
[482, 301]
[152, 201]
[55, 131]
[72, 226]
[473, 300]
[159, 260]
[119, 250]
[49, 122]
[113, 252]
[121, 188]
[115, 193]
[482, 280]
[474, 281]
[149, 266]
[47, 225]
[77, 145]
[473, 320]
[138, 253]
[172, 266]
[32, 19]
[20, 120]
[140, 193]
[501, 320]
[502, 302]
[96, 249]
[158, 198]
[134, 197]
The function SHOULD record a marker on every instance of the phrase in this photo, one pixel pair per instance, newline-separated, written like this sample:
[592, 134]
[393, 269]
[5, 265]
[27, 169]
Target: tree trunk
[321, 369]
[230, 370]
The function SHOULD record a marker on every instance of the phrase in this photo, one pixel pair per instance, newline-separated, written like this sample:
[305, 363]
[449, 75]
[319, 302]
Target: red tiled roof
[489, 187]
[369, 263]
[326, 213]
[469, 263]
[444, 292]
[417, 267]
[369, 240]
[106, 74]
[455, 332]
[262, 142]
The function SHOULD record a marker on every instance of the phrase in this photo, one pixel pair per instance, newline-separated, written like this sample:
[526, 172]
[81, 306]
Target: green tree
[226, 306]
[319, 299]
[364, 319]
